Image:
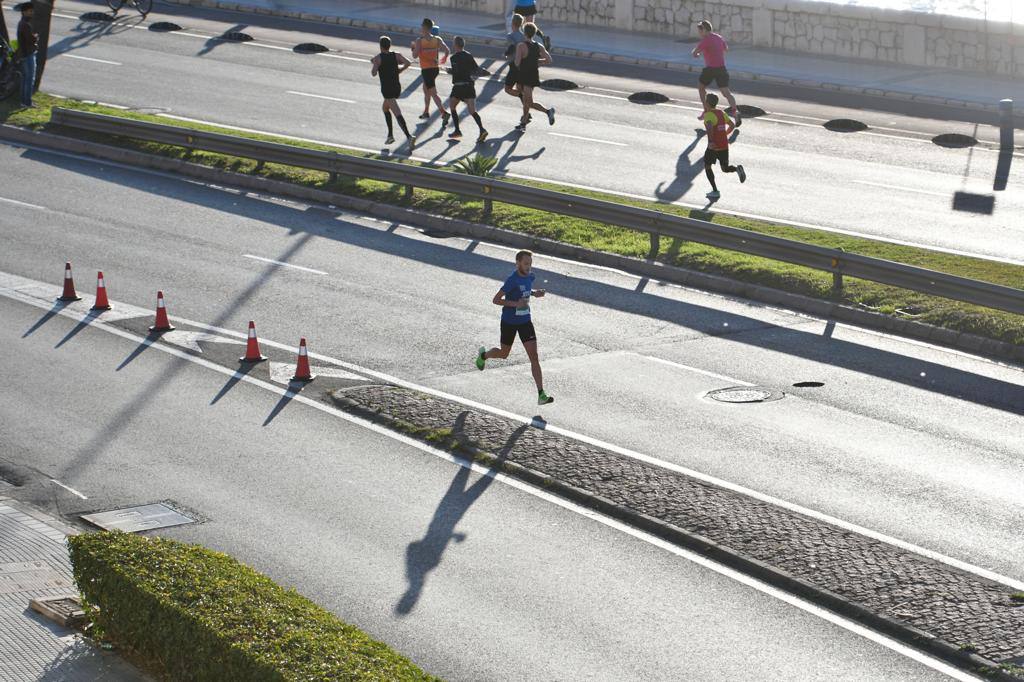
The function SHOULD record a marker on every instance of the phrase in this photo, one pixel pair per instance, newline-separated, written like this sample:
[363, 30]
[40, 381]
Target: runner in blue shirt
[514, 299]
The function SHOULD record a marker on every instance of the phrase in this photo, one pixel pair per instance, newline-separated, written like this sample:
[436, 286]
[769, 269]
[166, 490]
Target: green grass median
[185, 612]
[760, 271]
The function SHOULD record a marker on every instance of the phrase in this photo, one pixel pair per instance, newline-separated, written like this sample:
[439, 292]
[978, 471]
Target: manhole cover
[954, 140]
[647, 98]
[236, 37]
[748, 111]
[164, 27]
[558, 84]
[135, 519]
[745, 394]
[309, 48]
[845, 125]
[808, 384]
[97, 16]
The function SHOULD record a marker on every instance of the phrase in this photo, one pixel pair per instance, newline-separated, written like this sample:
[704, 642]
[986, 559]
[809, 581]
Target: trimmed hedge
[196, 614]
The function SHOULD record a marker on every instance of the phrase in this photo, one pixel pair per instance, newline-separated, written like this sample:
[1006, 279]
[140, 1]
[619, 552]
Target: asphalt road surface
[890, 182]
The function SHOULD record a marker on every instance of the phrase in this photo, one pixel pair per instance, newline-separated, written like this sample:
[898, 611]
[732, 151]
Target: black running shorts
[512, 77]
[712, 156]
[430, 76]
[463, 92]
[509, 331]
[391, 92]
[526, 11]
[719, 74]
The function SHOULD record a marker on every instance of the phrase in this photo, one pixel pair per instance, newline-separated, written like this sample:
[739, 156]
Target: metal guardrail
[655, 223]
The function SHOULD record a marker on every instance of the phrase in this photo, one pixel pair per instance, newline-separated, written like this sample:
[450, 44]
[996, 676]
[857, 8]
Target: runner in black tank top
[530, 56]
[387, 65]
[464, 68]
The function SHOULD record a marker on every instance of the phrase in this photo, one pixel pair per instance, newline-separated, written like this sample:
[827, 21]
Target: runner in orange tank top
[432, 53]
[718, 125]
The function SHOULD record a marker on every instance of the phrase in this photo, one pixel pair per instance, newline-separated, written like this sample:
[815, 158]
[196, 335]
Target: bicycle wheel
[144, 6]
[115, 5]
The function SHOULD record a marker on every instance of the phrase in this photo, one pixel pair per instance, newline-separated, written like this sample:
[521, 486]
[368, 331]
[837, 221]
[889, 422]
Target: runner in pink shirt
[713, 47]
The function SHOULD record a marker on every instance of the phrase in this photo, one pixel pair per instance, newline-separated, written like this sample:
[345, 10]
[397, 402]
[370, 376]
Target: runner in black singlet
[530, 56]
[464, 67]
[387, 65]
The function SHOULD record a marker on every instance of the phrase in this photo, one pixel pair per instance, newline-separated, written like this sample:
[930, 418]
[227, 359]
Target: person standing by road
[514, 299]
[719, 126]
[432, 53]
[713, 48]
[530, 56]
[387, 65]
[464, 67]
[28, 42]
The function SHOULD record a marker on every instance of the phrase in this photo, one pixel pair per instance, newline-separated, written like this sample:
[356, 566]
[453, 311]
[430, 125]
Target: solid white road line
[748, 581]
[69, 489]
[945, 195]
[584, 93]
[89, 59]
[282, 263]
[309, 94]
[589, 139]
[695, 370]
[23, 204]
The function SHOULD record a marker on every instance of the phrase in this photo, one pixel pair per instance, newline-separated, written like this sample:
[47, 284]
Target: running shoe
[412, 141]
[551, 116]
[737, 117]
[483, 136]
[390, 140]
[714, 194]
[480, 360]
[444, 120]
[742, 173]
[424, 115]
[456, 135]
[543, 398]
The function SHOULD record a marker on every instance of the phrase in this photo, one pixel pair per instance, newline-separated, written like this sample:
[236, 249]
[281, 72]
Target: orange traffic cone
[162, 323]
[252, 347]
[69, 286]
[101, 294]
[302, 372]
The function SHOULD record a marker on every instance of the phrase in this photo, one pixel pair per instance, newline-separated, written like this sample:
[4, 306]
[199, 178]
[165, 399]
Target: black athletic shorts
[526, 11]
[463, 92]
[509, 331]
[713, 156]
[430, 76]
[391, 93]
[512, 77]
[719, 74]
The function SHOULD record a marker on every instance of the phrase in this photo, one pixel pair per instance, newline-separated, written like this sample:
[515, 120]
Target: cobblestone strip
[960, 616]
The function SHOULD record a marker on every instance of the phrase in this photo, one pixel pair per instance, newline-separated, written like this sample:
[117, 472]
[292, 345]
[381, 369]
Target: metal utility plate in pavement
[135, 519]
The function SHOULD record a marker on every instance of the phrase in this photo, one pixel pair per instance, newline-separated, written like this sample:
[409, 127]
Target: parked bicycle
[143, 6]
[10, 70]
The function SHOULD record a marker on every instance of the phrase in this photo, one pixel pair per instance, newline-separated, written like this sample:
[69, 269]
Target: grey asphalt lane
[887, 182]
[916, 442]
[470, 577]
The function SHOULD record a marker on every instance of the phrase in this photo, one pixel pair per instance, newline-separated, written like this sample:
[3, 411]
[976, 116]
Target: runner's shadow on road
[215, 42]
[686, 172]
[423, 556]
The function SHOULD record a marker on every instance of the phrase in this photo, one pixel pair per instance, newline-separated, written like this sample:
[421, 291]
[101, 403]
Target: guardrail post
[655, 246]
[332, 177]
[837, 277]
[408, 192]
[488, 204]
[1006, 124]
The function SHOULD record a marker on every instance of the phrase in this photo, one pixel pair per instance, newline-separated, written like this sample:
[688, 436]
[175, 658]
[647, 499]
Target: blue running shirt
[515, 288]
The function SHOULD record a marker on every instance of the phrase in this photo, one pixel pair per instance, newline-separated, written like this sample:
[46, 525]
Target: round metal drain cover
[954, 140]
[97, 16]
[164, 27]
[748, 111]
[845, 125]
[309, 48]
[647, 98]
[559, 84]
[745, 394]
[236, 37]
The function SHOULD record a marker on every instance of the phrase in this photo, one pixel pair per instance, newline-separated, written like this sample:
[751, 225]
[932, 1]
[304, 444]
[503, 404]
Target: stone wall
[900, 37]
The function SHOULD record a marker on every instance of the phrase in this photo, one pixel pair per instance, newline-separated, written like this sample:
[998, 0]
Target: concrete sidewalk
[929, 85]
[34, 563]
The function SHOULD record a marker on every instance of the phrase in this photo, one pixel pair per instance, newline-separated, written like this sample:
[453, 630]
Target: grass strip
[189, 613]
[795, 279]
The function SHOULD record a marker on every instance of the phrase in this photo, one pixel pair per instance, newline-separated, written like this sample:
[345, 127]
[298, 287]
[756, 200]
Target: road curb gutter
[493, 41]
[829, 310]
[781, 579]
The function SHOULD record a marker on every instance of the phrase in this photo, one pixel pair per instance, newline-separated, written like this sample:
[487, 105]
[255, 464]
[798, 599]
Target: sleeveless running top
[429, 47]
[529, 69]
[719, 122]
[388, 70]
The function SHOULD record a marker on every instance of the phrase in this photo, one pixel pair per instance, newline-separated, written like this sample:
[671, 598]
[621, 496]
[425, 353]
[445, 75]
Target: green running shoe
[480, 358]
[543, 398]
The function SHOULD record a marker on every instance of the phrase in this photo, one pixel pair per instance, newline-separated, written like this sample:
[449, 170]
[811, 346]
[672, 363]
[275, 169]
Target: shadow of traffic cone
[302, 372]
[252, 347]
[101, 294]
[69, 286]
[162, 323]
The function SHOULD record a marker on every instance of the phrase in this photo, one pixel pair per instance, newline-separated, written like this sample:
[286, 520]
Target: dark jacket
[28, 39]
